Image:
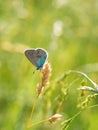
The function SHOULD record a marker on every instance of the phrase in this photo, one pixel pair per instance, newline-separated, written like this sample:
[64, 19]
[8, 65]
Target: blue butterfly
[36, 56]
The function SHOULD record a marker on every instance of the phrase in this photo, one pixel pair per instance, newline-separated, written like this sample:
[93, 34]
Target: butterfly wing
[36, 57]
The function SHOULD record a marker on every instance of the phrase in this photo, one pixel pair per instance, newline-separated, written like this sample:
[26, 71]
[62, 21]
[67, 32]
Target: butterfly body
[37, 57]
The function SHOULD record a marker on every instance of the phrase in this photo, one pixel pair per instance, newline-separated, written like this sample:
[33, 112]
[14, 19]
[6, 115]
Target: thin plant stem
[72, 118]
[92, 106]
[73, 71]
[33, 107]
[38, 122]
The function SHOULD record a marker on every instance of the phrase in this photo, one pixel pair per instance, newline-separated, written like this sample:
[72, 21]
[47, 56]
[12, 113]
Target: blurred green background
[68, 30]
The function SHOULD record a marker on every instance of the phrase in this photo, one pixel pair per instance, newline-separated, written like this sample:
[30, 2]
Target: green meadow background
[68, 30]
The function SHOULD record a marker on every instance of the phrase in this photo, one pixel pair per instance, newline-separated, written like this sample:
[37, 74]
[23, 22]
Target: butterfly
[37, 57]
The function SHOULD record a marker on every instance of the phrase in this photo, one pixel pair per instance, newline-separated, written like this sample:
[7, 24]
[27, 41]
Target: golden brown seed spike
[45, 76]
[55, 118]
[46, 73]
